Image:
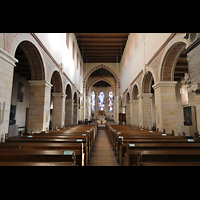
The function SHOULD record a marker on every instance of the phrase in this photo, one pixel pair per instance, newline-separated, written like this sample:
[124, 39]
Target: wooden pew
[114, 133]
[20, 155]
[119, 135]
[148, 142]
[76, 139]
[52, 143]
[165, 157]
[149, 138]
[37, 164]
[49, 146]
[88, 131]
[76, 135]
[66, 138]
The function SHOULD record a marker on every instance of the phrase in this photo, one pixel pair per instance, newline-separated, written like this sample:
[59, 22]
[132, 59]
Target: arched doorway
[28, 112]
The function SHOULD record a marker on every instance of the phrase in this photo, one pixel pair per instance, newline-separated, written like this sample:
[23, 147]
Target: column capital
[40, 82]
[164, 84]
[144, 95]
[62, 95]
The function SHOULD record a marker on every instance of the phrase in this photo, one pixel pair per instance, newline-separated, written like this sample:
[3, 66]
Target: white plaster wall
[139, 57]
[56, 45]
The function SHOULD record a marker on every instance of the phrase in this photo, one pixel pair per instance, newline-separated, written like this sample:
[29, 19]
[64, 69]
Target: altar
[101, 117]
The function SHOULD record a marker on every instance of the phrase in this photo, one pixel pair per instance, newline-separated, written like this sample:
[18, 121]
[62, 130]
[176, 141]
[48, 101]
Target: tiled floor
[102, 154]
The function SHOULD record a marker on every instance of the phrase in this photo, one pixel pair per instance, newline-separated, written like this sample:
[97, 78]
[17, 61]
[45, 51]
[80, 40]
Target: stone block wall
[7, 64]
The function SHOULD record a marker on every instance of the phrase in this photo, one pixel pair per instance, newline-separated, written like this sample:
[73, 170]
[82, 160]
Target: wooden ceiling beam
[101, 47]
[103, 55]
[104, 44]
[101, 35]
[99, 40]
[102, 60]
[101, 51]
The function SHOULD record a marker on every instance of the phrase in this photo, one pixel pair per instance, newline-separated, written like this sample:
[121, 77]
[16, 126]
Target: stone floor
[102, 154]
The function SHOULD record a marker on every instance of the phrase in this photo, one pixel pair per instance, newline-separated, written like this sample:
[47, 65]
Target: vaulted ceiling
[101, 47]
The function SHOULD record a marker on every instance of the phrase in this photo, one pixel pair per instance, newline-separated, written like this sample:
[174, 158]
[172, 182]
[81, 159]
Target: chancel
[99, 99]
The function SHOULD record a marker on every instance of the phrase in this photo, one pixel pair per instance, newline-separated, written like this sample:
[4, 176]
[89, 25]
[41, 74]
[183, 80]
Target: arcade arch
[30, 72]
[57, 101]
[69, 106]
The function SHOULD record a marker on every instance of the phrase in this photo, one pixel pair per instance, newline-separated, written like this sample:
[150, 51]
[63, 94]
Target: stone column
[75, 121]
[197, 101]
[7, 64]
[86, 107]
[165, 105]
[58, 109]
[193, 84]
[116, 111]
[69, 107]
[134, 109]
[145, 109]
[84, 103]
[39, 105]
[89, 107]
[82, 108]
[128, 114]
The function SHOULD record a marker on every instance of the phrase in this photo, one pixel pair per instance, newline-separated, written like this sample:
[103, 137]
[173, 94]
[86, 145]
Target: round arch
[57, 82]
[169, 57]
[170, 60]
[128, 98]
[147, 82]
[135, 91]
[104, 67]
[68, 91]
[33, 52]
[75, 97]
[101, 79]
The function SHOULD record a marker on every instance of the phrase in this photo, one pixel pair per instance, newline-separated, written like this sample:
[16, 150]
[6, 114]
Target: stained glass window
[101, 101]
[93, 101]
[110, 101]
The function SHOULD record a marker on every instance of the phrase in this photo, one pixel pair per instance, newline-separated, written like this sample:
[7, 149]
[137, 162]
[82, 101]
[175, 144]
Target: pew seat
[36, 164]
[163, 157]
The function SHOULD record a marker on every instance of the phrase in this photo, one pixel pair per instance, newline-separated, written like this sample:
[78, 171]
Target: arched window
[20, 92]
[93, 101]
[110, 101]
[101, 101]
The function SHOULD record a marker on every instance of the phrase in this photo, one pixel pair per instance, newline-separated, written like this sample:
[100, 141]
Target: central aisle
[102, 154]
